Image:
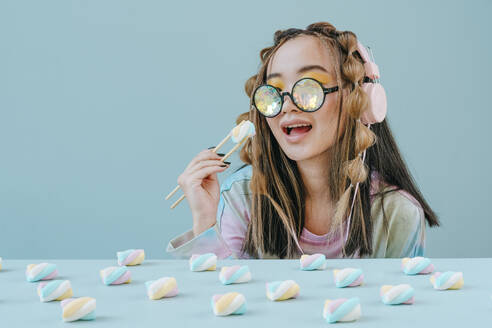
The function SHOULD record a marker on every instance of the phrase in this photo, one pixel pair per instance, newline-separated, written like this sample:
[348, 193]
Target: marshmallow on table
[313, 262]
[0, 263]
[41, 271]
[342, 309]
[416, 265]
[203, 262]
[163, 287]
[115, 275]
[234, 274]
[245, 129]
[348, 277]
[82, 308]
[399, 294]
[282, 290]
[447, 280]
[131, 257]
[230, 303]
[55, 290]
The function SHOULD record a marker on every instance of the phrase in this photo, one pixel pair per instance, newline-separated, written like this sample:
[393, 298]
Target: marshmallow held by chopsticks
[245, 129]
[239, 134]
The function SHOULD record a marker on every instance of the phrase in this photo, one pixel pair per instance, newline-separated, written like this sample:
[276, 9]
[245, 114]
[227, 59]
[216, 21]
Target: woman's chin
[300, 153]
[297, 153]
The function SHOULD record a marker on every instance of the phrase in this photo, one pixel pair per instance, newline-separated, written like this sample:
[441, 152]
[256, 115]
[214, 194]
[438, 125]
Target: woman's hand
[201, 187]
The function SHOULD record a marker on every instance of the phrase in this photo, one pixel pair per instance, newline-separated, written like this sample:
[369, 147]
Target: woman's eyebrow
[301, 70]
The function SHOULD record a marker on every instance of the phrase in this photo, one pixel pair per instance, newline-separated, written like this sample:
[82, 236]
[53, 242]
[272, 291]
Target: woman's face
[304, 56]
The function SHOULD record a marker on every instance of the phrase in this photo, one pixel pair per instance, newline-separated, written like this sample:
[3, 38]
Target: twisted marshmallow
[399, 294]
[447, 280]
[0, 263]
[163, 287]
[282, 290]
[41, 271]
[203, 262]
[245, 129]
[82, 308]
[342, 309]
[313, 262]
[230, 303]
[131, 257]
[234, 274]
[348, 277]
[54, 290]
[416, 265]
[115, 275]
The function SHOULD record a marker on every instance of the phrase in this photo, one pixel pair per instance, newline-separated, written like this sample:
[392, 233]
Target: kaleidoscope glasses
[307, 94]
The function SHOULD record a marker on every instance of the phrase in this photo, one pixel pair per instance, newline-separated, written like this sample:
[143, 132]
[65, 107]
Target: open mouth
[297, 130]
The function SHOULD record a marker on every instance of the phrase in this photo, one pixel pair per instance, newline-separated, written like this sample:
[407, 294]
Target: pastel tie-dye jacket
[404, 236]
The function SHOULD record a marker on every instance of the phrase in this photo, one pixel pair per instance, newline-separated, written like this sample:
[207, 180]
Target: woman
[316, 181]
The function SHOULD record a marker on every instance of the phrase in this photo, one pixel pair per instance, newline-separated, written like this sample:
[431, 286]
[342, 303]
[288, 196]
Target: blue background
[97, 121]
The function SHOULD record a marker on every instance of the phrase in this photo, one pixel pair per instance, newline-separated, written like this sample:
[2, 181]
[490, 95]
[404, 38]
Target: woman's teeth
[288, 129]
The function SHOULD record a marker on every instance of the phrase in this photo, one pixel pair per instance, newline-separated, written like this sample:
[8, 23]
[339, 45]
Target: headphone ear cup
[376, 111]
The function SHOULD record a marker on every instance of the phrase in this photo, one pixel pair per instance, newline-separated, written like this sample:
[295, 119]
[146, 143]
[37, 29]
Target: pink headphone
[377, 96]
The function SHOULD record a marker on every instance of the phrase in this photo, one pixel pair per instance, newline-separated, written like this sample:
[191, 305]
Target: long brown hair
[278, 193]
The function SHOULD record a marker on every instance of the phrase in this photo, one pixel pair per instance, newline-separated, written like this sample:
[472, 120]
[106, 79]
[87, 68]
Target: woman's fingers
[205, 163]
[207, 171]
[208, 159]
[203, 155]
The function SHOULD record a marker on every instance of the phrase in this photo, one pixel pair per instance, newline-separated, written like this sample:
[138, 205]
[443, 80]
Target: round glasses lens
[267, 100]
[308, 94]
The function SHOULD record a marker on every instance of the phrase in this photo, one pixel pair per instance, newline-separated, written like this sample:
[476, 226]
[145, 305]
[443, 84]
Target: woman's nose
[288, 105]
